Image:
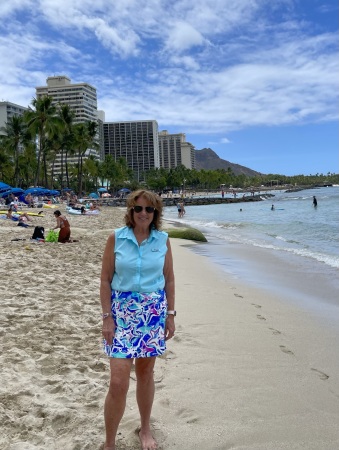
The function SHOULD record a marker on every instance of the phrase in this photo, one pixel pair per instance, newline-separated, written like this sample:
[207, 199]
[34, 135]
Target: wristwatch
[172, 313]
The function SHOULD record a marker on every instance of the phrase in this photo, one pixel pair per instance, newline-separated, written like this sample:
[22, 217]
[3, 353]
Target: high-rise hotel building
[82, 100]
[136, 141]
[174, 151]
[81, 97]
[7, 111]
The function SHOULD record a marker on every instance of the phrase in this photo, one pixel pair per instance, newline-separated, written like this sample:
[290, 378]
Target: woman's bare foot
[147, 440]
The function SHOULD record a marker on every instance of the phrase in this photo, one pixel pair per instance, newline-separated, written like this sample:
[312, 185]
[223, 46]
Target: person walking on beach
[179, 209]
[137, 298]
[315, 202]
[63, 224]
[183, 210]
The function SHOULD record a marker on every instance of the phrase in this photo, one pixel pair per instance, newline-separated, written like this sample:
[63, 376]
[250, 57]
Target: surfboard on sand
[77, 212]
[22, 212]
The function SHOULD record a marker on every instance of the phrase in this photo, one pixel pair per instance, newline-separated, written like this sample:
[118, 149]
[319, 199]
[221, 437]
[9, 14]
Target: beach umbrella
[4, 187]
[54, 192]
[102, 189]
[93, 195]
[36, 191]
[124, 190]
[15, 191]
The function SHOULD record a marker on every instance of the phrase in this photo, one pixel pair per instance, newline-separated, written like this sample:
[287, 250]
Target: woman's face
[143, 219]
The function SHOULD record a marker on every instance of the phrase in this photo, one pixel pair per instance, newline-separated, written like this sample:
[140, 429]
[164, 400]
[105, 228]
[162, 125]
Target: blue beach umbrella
[93, 195]
[4, 187]
[102, 189]
[15, 191]
[36, 191]
[125, 190]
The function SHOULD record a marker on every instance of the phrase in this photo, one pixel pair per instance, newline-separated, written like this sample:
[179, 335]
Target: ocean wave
[330, 260]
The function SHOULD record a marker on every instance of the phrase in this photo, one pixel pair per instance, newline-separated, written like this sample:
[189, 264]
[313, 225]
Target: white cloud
[182, 36]
[185, 61]
[226, 66]
[225, 141]
[9, 7]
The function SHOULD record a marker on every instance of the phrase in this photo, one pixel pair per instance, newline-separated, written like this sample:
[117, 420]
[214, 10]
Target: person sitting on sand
[23, 219]
[63, 224]
[94, 207]
[29, 200]
[9, 215]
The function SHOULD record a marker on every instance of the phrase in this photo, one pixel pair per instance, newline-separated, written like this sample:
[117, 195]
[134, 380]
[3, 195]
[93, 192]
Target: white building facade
[81, 97]
[8, 110]
[174, 151]
[82, 100]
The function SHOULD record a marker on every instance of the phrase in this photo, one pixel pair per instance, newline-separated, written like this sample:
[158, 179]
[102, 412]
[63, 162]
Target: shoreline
[259, 354]
[306, 281]
[238, 373]
[297, 280]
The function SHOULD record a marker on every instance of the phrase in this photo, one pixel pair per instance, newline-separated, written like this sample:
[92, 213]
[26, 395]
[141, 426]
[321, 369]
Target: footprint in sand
[256, 306]
[168, 355]
[188, 415]
[237, 295]
[274, 331]
[322, 375]
[285, 350]
[261, 317]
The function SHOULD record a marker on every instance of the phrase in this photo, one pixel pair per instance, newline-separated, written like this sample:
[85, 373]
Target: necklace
[141, 239]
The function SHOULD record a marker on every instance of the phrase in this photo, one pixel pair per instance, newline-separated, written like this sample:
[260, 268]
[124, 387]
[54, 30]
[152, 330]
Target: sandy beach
[245, 371]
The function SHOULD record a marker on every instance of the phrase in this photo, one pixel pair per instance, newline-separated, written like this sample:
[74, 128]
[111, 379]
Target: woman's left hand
[170, 327]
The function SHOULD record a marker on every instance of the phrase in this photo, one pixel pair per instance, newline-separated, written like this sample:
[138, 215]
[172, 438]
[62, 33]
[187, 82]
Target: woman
[63, 224]
[137, 299]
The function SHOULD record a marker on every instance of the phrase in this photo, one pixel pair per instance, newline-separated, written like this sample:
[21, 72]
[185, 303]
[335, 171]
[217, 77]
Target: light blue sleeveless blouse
[139, 268]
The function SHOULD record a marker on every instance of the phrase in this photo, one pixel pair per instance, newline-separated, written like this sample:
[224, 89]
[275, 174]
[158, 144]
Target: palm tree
[85, 134]
[91, 171]
[27, 164]
[15, 138]
[66, 116]
[42, 122]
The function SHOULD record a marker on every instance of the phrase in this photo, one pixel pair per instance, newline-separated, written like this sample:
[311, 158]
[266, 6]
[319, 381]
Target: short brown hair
[153, 199]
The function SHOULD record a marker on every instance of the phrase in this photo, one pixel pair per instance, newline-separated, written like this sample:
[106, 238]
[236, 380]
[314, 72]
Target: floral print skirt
[140, 324]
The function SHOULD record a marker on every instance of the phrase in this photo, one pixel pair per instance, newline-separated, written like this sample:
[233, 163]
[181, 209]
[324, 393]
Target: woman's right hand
[108, 329]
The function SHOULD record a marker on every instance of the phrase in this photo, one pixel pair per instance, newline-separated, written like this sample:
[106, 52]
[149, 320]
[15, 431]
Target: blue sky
[255, 80]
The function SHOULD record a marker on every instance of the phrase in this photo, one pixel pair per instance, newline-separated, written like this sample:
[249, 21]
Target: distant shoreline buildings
[139, 142]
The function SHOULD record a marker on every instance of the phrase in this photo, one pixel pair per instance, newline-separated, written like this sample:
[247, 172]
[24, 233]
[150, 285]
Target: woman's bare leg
[145, 395]
[116, 398]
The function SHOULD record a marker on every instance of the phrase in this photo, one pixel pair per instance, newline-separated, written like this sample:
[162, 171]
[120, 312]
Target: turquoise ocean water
[254, 243]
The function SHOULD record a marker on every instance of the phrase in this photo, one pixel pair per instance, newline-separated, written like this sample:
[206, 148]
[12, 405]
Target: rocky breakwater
[192, 201]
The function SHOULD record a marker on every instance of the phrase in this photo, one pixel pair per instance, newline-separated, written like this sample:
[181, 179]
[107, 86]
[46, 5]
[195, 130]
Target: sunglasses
[148, 209]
